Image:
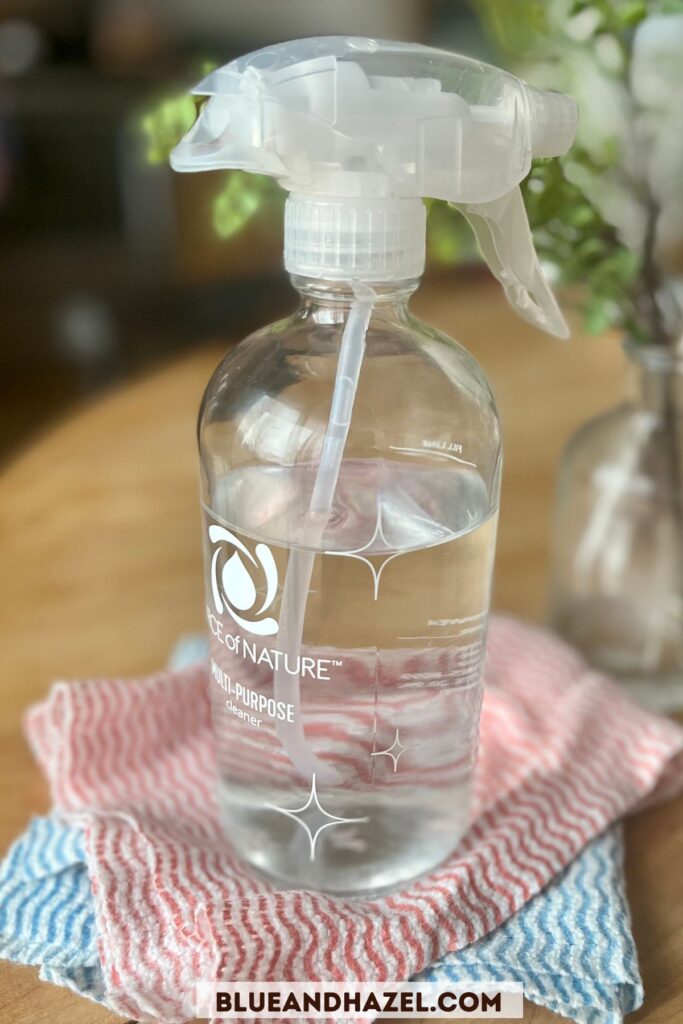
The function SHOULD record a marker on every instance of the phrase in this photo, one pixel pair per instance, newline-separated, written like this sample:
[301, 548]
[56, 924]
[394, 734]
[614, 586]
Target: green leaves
[614, 16]
[165, 125]
[572, 236]
[242, 196]
[450, 240]
[632, 13]
[522, 27]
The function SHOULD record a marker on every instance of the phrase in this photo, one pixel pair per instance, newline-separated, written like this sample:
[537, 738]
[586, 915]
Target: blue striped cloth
[47, 914]
[571, 947]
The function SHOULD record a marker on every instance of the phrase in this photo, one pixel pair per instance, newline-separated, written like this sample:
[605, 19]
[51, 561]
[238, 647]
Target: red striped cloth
[563, 754]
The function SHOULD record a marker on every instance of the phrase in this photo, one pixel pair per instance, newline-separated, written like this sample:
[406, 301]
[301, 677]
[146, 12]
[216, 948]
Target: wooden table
[101, 570]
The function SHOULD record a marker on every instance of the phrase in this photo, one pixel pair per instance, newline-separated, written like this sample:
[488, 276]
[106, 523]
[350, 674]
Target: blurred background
[108, 262]
[111, 266]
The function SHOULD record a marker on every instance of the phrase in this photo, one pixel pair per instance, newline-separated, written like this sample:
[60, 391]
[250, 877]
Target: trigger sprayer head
[359, 129]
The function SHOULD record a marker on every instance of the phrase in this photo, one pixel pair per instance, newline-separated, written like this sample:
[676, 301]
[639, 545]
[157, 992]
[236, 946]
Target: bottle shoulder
[600, 436]
[420, 429]
[407, 361]
[621, 448]
[453, 358]
[420, 398]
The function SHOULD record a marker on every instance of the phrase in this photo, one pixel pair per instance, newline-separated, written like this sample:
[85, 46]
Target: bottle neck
[330, 301]
[656, 378]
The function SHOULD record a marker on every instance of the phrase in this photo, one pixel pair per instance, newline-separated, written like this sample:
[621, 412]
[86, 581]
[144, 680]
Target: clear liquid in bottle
[389, 670]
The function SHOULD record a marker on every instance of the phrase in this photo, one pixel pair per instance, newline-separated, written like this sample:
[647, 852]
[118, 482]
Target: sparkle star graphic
[313, 818]
[357, 553]
[394, 751]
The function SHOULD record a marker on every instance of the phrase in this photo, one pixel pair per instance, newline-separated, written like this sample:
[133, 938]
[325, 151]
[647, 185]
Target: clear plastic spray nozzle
[367, 124]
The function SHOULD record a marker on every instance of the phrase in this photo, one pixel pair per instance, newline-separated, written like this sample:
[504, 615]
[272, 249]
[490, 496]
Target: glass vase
[617, 577]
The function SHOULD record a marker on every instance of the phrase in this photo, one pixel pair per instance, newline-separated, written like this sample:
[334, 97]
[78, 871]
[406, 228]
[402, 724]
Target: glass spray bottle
[351, 456]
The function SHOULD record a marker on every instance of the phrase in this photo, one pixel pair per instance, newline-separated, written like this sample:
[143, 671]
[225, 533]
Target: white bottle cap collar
[381, 239]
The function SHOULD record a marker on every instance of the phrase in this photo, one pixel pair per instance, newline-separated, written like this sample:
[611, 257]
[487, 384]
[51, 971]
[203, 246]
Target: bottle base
[285, 884]
[373, 846]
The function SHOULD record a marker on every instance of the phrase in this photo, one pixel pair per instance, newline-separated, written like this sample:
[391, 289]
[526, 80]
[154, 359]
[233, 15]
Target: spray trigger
[503, 234]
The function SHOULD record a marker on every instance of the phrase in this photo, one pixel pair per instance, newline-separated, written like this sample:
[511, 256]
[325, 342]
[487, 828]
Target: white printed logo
[236, 578]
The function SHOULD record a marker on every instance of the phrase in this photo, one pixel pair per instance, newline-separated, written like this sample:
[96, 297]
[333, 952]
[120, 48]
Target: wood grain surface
[101, 571]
